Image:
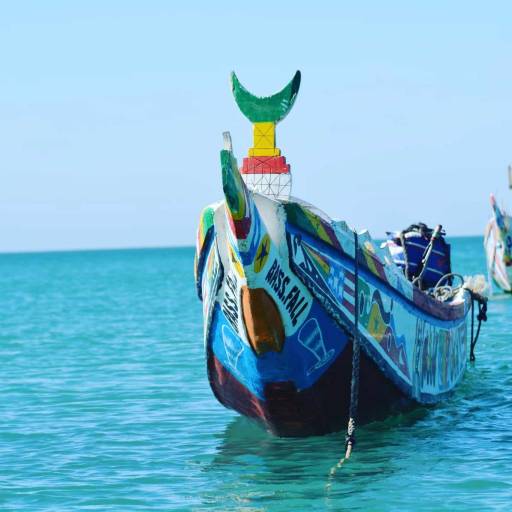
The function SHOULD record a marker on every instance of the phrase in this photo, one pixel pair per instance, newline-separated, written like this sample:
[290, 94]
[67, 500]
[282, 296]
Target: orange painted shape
[263, 323]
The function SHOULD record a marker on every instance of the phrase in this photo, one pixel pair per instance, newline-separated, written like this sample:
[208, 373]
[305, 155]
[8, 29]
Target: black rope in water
[471, 354]
[481, 317]
[350, 439]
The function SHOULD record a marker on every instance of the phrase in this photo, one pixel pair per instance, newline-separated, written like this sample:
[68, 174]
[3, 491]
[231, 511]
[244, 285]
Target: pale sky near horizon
[112, 113]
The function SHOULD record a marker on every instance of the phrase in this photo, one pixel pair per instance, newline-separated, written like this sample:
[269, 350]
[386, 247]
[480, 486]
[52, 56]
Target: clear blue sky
[111, 113]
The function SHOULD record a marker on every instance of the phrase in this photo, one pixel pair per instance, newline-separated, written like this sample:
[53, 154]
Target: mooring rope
[350, 439]
[481, 317]
[444, 293]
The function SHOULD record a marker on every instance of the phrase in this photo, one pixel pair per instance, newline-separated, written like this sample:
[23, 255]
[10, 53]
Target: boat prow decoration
[269, 109]
[278, 280]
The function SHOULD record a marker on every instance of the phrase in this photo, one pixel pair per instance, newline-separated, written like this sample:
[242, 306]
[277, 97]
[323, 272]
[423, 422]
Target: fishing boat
[498, 245]
[308, 323]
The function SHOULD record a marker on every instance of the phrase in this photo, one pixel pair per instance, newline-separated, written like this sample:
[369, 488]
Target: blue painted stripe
[409, 305]
[296, 363]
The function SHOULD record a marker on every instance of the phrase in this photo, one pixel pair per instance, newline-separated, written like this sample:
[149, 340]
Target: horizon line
[143, 248]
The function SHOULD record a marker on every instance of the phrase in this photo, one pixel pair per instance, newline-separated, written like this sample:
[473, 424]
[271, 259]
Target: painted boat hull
[322, 408]
[278, 282]
[499, 267]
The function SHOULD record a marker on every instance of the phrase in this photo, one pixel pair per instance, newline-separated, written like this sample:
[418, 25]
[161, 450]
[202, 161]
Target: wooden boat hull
[278, 281]
[287, 411]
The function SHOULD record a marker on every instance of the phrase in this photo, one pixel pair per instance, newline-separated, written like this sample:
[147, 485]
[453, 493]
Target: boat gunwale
[423, 303]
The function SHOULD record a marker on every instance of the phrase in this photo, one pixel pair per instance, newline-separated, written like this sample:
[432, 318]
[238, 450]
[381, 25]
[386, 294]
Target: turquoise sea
[105, 405]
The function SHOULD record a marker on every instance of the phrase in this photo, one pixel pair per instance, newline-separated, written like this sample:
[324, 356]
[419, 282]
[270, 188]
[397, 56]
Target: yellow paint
[210, 265]
[264, 152]
[369, 247]
[262, 254]
[264, 135]
[264, 140]
[317, 226]
[376, 325]
[323, 264]
[371, 264]
[201, 232]
[236, 262]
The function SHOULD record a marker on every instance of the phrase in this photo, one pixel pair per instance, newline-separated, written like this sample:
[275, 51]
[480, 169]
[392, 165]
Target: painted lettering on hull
[291, 297]
[440, 356]
[230, 302]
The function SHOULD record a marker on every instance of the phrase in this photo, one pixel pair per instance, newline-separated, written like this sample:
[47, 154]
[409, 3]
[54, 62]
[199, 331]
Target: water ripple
[105, 405]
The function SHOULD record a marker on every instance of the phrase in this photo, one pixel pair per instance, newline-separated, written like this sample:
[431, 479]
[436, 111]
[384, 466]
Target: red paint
[320, 409]
[265, 165]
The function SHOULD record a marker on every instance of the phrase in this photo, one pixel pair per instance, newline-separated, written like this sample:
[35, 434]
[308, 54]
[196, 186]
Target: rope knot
[481, 317]
[351, 427]
[482, 306]
[349, 440]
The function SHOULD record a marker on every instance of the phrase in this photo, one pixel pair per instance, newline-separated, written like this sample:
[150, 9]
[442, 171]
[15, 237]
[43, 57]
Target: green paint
[206, 220]
[232, 184]
[267, 109]
[205, 225]
[296, 215]
[364, 302]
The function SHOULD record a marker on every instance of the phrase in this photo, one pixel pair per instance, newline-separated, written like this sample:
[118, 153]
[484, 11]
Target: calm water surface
[105, 405]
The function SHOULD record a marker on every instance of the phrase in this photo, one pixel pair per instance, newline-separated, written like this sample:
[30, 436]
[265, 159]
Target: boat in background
[307, 321]
[498, 245]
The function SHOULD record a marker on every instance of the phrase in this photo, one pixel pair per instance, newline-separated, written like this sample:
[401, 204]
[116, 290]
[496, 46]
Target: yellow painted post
[264, 140]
